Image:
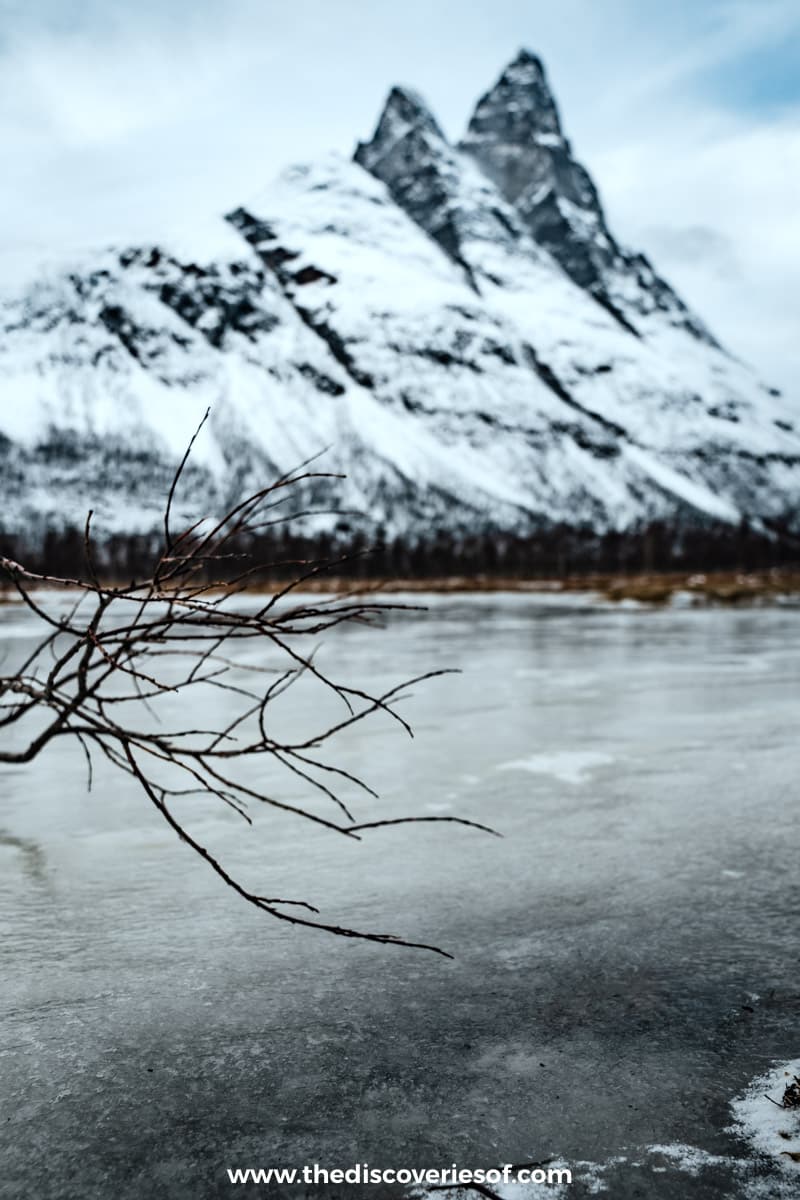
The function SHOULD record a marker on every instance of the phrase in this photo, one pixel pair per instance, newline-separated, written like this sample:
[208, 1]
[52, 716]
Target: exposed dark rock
[410, 154]
[322, 382]
[312, 275]
[515, 136]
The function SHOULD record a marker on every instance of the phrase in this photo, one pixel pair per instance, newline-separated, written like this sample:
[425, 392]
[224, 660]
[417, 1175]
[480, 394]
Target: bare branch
[123, 656]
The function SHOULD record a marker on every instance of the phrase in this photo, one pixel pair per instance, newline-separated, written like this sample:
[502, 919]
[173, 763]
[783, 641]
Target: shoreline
[653, 587]
[724, 587]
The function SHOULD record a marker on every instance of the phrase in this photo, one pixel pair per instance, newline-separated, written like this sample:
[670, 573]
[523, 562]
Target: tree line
[556, 551]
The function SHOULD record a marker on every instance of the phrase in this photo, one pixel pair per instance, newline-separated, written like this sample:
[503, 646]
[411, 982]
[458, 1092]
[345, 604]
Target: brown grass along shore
[714, 587]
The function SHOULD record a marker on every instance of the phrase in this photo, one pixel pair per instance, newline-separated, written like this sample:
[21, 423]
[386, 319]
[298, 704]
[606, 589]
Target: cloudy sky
[125, 119]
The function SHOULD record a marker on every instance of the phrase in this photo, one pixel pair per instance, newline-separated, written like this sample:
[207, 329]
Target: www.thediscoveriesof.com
[364, 1173]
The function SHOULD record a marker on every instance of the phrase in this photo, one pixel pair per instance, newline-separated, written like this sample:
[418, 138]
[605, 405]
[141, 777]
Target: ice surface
[612, 988]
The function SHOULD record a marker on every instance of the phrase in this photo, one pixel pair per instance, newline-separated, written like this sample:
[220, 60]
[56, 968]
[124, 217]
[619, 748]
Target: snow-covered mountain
[455, 325]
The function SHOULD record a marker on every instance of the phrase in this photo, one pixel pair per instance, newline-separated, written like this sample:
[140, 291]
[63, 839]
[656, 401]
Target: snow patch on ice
[513, 1190]
[690, 1159]
[570, 766]
[762, 1122]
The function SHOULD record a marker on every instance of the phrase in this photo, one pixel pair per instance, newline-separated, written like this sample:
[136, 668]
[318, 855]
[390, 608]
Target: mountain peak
[515, 137]
[518, 110]
[408, 102]
[405, 113]
[526, 60]
[440, 189]
[524, 55]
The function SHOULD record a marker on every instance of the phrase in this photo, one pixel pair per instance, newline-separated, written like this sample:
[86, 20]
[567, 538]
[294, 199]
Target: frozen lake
[626, 956]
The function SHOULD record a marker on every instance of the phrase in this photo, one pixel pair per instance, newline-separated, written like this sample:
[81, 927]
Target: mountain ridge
[457, 323]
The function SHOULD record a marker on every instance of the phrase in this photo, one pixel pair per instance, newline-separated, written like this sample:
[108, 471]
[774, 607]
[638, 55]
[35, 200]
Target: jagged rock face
[515, 136]
[403, 313]
[515, 132]
[438, 190]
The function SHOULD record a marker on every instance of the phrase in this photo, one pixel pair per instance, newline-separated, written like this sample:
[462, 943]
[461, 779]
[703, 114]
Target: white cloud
[740, 180]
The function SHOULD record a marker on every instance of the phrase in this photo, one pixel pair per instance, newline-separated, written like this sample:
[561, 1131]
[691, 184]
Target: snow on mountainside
[456, 325]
